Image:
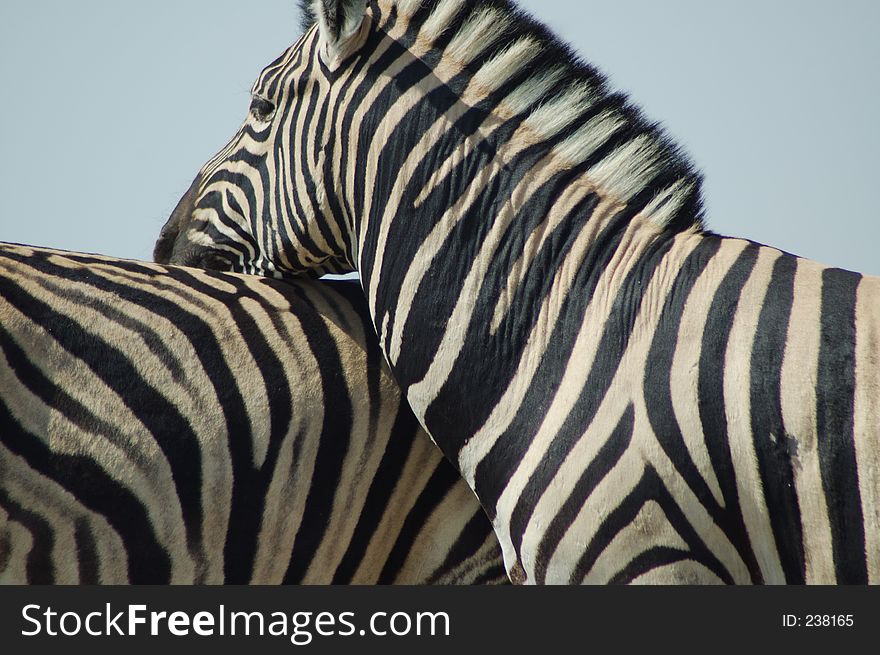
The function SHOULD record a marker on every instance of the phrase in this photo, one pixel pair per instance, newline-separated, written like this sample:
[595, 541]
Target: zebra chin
[186, 253]
[181, 245]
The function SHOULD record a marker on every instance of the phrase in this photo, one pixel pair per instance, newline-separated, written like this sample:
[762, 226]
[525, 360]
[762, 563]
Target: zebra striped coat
[633, 398]
[169, 425]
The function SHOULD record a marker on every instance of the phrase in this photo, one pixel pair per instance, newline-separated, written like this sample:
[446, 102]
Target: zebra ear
[338, 21]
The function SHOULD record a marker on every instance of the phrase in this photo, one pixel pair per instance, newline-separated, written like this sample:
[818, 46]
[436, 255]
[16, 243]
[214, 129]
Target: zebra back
[162, 424]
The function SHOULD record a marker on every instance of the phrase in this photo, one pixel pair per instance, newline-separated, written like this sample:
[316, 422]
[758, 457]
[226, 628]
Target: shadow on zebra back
[169, 425]
[632, 397]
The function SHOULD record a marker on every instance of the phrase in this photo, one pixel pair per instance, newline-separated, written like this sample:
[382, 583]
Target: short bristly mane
[563, 100]
[306, 15]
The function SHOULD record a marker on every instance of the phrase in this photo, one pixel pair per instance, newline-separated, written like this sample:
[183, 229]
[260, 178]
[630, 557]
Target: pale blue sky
[111, 106]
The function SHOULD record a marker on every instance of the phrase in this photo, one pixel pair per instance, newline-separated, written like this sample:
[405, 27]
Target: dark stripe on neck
[489, 361]
[658, 369]
[772, 443]
[310, 110]
[616, 333]
[713, 410]
[493, 473]
[835, 388]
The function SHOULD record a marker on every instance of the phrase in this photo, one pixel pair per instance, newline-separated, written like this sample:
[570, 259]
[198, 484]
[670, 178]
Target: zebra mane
[564, 101]
[306, 14]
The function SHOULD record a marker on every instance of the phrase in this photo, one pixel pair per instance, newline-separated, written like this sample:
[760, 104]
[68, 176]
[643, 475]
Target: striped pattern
[170, 425]
[632, 398]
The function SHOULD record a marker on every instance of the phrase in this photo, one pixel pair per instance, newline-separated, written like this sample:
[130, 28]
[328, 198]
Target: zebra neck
[451, 143]
[477, 232]
[466, 298]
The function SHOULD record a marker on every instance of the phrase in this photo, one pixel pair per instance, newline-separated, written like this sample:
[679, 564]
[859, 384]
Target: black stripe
[470, 540]
[80, 475]
[60, 287]
[381, 489]
[336, 24]
[251, 484]
[148, 562]
[360, 75]
[304, 111]
[471, 391]
[411, 234]
[86, 552]
[333, 447]
[612, 345]
[658, 369]
[657, 389]
[442, 480]
[835, 388]
[649, 560]
[765, 419]
[493, 575]
[772, 444]
[171, 432]
[395, 150]
[649, 487]
[400, 441]
[713, 412]
[39, 567]
[161, 418]
[468, 233]
[38, 257]
[500, 463]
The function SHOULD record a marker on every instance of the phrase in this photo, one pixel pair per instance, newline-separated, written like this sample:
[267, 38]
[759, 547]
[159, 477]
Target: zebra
[632, 397]
[165, 425]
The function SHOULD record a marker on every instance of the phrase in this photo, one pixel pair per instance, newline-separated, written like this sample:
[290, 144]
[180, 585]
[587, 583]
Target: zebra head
[255, 206]
[393, 124]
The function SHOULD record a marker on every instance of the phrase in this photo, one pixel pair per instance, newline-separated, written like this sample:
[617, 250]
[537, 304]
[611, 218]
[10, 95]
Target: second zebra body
[166, 425]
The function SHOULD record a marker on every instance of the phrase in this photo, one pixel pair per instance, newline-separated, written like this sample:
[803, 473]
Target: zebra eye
[261, 109]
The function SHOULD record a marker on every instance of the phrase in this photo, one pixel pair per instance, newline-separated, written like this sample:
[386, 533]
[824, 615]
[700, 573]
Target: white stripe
[737, 406]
